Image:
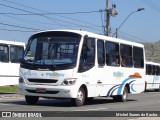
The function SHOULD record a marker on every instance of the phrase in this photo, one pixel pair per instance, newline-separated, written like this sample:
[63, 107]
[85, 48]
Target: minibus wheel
[32, 100]
[124, 96]
[79, 101]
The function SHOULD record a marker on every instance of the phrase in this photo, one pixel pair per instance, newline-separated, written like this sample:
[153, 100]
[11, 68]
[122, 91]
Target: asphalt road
[149, 101]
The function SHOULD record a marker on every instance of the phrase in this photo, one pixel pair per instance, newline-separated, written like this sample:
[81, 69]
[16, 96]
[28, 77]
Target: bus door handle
[99, 82]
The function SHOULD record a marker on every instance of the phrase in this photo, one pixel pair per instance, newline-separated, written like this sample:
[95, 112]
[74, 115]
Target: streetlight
[138, 10]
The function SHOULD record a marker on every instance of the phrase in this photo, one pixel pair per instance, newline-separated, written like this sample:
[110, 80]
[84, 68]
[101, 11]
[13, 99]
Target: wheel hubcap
[80, 96]
[124, 95]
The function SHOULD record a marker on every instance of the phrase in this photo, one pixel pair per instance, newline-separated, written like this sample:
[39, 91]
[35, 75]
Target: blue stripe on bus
[123, 83]
[110, 92]
[132, 87]
[120, 86]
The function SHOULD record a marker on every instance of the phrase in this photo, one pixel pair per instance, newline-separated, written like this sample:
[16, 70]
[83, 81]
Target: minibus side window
[87, 58]
[112, 54]
[100, 52]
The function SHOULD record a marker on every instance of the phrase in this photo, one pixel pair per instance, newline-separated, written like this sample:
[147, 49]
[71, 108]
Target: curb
[9, 95]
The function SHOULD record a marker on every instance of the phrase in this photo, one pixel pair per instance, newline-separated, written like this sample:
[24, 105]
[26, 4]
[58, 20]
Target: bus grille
[43, 80]
[47, 92]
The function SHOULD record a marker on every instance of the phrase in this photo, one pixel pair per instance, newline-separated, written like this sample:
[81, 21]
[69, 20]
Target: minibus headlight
[69, 81]
[21, 80]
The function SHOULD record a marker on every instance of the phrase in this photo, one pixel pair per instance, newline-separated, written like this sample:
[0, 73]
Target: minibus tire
[124, 96]
[31, 100]
[79, 101]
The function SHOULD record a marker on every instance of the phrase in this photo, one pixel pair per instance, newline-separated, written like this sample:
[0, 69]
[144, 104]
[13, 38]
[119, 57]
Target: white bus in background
[10, 55]
[80, 65]
[152, 76]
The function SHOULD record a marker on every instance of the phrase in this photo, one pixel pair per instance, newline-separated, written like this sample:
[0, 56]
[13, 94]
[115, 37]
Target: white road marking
[92, 109]
[5, 104]
[9, 99]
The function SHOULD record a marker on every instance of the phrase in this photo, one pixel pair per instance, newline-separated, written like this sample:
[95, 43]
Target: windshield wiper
[51, 47]
[35, 60]
[52, 61]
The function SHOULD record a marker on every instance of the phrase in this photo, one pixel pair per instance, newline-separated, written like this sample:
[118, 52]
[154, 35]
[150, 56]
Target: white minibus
[80, 65]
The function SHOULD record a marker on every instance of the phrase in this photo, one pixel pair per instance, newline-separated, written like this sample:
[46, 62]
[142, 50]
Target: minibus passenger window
[87, 58]
[112, 53]
[138, 57]
[100, 52]
[126, 55]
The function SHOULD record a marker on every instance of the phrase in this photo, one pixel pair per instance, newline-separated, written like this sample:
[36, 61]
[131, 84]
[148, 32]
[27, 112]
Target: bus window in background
[4, 53]
[16, 53]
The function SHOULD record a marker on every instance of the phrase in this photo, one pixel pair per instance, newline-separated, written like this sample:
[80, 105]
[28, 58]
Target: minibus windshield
[52, 51]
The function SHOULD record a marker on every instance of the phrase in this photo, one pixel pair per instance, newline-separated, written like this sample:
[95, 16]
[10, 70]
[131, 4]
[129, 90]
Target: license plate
[41, 90]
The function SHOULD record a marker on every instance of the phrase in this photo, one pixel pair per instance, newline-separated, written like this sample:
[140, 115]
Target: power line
[20, 26]
[45, 13]
[58, 15]
[28, 21]
[50, 18]
[35, 22]
[52, 13]
[129, 35]
[32, 13]
[151, 5]
[15, 30]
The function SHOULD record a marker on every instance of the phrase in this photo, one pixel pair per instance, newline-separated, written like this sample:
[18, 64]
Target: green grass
[8, 89]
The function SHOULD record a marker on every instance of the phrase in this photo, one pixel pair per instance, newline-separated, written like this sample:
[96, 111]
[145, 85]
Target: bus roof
[152, 63]
[12, 42]
[98, 36]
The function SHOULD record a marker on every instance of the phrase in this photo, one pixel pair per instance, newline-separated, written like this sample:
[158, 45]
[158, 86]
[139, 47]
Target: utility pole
[108, 17]
[110, 12]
